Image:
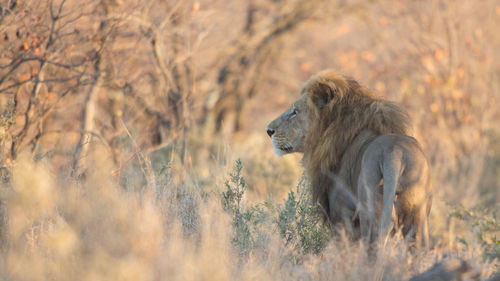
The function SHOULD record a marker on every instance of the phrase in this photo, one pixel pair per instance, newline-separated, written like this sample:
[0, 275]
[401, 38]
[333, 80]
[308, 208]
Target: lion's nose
[270, 132]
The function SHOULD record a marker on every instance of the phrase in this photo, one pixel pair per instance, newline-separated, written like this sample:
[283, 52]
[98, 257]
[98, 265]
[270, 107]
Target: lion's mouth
[281, 149]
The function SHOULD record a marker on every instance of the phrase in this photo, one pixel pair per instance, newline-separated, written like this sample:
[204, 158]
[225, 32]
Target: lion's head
[288, 131]
[330, 113]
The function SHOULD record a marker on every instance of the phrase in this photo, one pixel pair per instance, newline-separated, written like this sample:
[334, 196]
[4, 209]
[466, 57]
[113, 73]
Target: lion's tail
[390, 173]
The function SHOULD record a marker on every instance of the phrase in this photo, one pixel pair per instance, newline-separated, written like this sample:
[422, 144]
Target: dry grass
[92, 229]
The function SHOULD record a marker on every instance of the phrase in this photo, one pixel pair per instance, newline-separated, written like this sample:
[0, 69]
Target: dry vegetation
[121, 120]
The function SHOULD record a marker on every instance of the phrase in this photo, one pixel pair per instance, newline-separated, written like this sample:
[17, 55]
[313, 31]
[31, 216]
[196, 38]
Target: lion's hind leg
[422, 235]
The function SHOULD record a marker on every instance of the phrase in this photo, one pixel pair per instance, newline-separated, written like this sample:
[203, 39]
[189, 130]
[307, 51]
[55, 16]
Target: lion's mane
[339, 109]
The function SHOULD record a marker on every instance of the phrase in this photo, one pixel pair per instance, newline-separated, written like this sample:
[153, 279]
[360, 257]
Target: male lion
[364, 169]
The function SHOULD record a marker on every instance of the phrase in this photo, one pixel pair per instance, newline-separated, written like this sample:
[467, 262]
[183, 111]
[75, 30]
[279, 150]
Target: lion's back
[411, 174]
[367, 152]
[416, 168]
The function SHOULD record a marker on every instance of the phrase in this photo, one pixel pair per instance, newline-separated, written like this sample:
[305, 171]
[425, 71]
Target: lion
[364, 169]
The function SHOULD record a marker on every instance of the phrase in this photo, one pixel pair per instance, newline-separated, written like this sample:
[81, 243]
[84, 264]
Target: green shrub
[486, 225]
[297, 220]
[300, 222]
[246, 219]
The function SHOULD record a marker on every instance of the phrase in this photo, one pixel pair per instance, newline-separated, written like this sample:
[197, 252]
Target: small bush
[485, 224]
[297, 220]
[245, 219]
[300, 222]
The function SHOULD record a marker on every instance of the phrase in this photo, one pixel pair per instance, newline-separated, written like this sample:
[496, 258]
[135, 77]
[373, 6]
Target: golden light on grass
[166, 95]
[32, 197]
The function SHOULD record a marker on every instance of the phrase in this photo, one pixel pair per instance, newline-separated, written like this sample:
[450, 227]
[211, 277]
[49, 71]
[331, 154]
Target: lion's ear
[322, 94]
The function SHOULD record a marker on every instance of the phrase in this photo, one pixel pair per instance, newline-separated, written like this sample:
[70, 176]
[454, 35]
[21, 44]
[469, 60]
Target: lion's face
[288, 131]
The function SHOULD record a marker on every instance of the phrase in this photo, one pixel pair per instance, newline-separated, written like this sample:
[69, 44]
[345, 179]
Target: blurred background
[189, 86]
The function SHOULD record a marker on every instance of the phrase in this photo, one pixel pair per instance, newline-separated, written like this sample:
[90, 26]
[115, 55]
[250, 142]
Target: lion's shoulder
[350, 163]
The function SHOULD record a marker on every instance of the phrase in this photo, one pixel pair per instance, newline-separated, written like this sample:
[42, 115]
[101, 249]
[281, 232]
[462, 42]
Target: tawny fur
[356, 143]
[349, 110]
